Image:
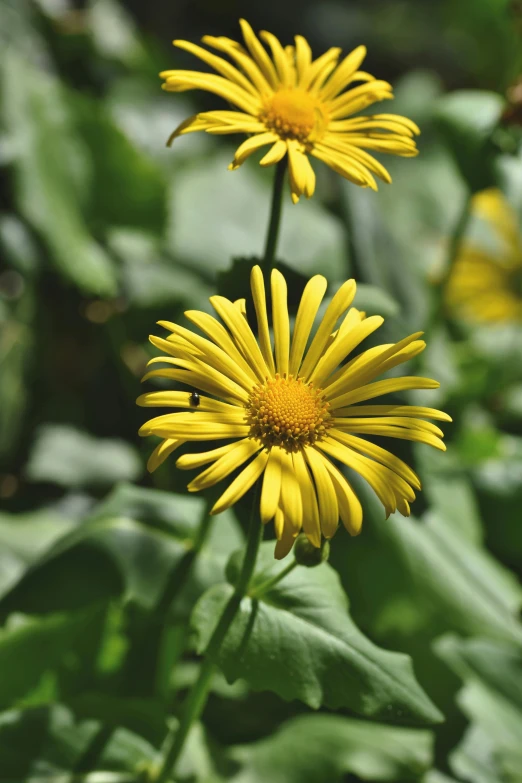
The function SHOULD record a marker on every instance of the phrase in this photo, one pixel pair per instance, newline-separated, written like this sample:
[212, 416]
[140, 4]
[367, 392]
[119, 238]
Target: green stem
[264, 587]
[197, 697]
[151, 637]
[275, 217]
[437, 308]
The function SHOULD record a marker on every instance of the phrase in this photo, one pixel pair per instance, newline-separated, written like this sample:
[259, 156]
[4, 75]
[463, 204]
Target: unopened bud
[309, 555]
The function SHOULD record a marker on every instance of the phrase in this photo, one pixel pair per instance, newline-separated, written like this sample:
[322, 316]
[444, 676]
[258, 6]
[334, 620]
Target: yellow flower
[290, 414]
[485, 284]
[297, 105]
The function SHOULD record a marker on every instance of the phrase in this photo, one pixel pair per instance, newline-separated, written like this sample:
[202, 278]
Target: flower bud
[307, 554]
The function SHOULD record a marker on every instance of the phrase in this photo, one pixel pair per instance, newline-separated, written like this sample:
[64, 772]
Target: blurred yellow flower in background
[289, 411]
[297, 105]
[485, 284]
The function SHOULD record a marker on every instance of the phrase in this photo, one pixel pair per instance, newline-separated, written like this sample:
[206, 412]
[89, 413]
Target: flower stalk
[272, 234]
[198, 695]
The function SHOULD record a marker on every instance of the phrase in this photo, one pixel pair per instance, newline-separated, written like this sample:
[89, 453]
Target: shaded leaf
[64, 455]
[311, 239]
[318, 748]
[467, 119]
[51, 174]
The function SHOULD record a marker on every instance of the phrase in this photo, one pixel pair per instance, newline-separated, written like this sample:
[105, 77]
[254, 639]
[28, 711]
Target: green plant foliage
[333, 746]
[400, 658]
[64, 456]
[298, 640]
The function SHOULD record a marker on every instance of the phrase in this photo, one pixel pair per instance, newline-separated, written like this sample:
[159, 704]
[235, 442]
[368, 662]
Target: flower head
[289, 415]
[485, 284]
[296, 105]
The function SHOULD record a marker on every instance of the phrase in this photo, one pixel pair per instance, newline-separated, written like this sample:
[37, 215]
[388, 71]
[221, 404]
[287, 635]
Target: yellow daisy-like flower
[485, 285]
[290, 414]
[297, 105]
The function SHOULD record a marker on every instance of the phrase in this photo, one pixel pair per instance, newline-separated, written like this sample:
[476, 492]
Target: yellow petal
[271, 490]
[280, 321]
[242, 335]
[343, 73]
[178, 399]
[311, 523]
[251, 145]
[162, 451]
[326, 495]
[382, 387]
[257, 284]
[274, 154]
[350, 509]
[308, 307]
[241, 483]
[223, 466]
[291, 501]
[340, 302]
[191, 461]
[342, 346]
[217, 332]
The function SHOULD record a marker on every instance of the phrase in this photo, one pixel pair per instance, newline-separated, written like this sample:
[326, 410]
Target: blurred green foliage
[103, 232]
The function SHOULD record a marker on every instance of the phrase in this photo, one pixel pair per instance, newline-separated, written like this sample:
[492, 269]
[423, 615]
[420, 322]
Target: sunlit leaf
[299, 641]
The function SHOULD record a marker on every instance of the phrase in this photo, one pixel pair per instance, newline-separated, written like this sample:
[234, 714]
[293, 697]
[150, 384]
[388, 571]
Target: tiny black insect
[194, 399]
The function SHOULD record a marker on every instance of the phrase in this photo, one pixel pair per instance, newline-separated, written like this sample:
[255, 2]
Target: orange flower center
[294, 114]
[286, 411]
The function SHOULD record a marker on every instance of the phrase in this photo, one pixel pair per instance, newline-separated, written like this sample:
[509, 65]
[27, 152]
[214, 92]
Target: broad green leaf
[23, 538]
[467, 119]
[30, 647]
[126, 188]
[298, 640]
[449, 491]
[374, 301]
[492, 699]
[127, 557]
[37, 744]
[319, 748]
[134, 541]
[311, 239]
[52, 170]
[66, 456]
[459, 585]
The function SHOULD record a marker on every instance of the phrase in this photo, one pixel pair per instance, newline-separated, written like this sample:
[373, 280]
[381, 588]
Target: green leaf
[38, 743]
[492, 699]
[319, 748]
[467, 119]
[449, 491]
[126, 187]
[52, 169]
[374, 301]
[459, 584]
[130, 557]
[66, 456]
[298, 640]
[23, 538]
[21, 667]
[311, 240]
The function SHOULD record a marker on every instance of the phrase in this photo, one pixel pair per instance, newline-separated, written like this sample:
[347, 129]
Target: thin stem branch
[275, 216]
[264, 587]
[197, 697]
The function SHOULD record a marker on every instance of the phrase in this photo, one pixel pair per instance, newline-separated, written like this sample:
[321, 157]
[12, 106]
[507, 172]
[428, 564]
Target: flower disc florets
[286, 411]
[294, 114]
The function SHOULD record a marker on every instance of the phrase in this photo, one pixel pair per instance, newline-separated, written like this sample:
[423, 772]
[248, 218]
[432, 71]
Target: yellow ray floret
[295, 106]
[285, 410]
[485, 284]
